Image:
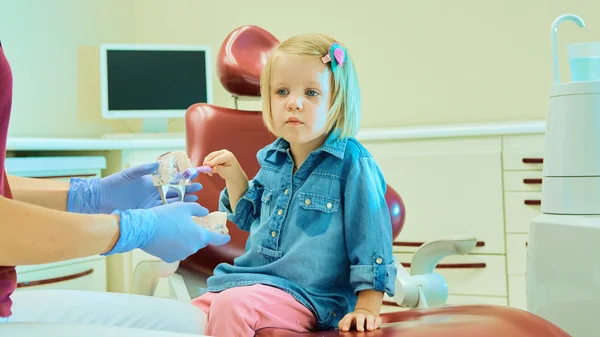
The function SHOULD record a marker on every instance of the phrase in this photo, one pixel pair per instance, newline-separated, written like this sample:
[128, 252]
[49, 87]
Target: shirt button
[307, 202]
[333, 314]
[286, 191]
[279, 212]
[379, 260]
[273, 234]
[329, 205]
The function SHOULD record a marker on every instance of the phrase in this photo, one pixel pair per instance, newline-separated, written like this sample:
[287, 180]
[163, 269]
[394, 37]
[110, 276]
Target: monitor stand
[155, 125]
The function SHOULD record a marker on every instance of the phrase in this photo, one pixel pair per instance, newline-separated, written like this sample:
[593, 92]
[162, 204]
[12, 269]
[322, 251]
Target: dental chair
[420, 295]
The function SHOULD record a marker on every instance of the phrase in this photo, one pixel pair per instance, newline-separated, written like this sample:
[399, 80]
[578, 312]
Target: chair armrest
[178, 289]
[423, 288]
[430, 253]
[147, 274]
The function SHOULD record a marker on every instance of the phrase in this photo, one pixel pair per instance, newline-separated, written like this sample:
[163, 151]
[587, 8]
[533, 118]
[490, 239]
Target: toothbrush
[193, 172]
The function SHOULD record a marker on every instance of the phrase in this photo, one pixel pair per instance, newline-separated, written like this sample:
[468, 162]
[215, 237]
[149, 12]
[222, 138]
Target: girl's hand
[360, 319]
[225, 164]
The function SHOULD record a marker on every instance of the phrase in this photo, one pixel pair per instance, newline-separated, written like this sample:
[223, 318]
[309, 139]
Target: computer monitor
[153, 82]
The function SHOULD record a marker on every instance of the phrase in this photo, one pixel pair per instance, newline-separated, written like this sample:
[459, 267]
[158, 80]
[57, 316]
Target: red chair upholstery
[463, 321]
[210, 128]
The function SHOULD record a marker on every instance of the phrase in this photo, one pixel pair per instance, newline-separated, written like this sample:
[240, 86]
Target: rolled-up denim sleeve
[247, 208]
[368, 229]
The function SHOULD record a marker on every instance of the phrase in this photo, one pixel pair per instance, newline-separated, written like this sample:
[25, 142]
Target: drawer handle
[532, 202]
[532, 181]
[480, 265]
[54, 280]
[533, 160]
[526, 244]
[419, 244]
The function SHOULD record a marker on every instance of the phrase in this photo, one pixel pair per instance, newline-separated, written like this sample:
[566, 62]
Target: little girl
[319, 254]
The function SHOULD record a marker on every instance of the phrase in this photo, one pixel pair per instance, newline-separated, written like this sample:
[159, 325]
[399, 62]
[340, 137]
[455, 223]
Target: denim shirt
[321, 234]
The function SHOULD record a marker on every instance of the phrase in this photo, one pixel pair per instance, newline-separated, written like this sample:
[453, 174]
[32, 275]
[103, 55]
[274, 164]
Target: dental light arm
[423, 288]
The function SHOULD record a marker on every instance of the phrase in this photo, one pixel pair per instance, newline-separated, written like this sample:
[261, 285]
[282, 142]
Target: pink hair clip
[339, 55]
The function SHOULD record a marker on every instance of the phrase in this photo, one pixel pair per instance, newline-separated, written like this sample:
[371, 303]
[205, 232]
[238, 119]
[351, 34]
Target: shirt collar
[333, 145]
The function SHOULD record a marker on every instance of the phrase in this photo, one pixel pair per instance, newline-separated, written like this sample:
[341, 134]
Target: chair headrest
[241, 59]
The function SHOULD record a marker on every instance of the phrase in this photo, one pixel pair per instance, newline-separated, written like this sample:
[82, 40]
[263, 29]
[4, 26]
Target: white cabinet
[79, 274]
[523, 172]
[449, 187]
[487, 187]
[470, 275]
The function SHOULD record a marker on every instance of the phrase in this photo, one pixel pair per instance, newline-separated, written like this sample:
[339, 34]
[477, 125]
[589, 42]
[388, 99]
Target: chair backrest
[210, 128]
[242, 57]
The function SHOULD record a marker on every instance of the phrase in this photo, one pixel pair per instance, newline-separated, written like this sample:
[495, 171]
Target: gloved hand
[131, 188]
[167, 231]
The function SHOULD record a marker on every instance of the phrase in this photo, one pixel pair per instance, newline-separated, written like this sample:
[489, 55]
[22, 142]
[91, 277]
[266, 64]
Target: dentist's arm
[42, 192]
[32, 234]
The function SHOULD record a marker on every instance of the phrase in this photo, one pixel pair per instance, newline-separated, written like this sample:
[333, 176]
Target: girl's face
[300, 99]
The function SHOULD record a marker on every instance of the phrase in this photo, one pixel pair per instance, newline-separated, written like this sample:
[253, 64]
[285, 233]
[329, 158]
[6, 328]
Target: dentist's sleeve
[247, 208]
[368, 229]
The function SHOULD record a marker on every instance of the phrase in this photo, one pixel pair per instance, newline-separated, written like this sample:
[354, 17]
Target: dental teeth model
[171, 167]
[214, 222]
[175, 171]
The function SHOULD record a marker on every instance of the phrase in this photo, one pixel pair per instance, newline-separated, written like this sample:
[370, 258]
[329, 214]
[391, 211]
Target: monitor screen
[153, 81]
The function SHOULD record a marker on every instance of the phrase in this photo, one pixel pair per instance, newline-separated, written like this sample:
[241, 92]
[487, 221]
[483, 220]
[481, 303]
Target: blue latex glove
[167, 231]
[129, 189]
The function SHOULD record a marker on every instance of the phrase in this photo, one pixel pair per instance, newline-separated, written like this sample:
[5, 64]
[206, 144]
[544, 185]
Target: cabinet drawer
[473, 275]
[80, 274]
[520, 209]
[531, 160]
[516, 253]
[517, 292]
[59, 168]
[518, 181]
[533, 142]
[446, 194]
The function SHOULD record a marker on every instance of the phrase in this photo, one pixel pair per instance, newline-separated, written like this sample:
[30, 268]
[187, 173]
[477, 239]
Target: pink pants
[239, 312]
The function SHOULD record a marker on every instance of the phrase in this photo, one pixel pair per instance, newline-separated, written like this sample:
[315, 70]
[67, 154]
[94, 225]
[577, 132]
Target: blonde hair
[344, 114]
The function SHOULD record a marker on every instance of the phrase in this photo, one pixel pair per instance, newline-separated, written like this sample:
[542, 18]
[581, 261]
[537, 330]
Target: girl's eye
[282, 92]
[311, 93]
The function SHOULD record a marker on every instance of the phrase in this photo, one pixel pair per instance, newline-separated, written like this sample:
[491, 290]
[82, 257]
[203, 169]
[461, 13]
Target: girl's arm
[368, 233]
[247, 204]
[368, 229]
[31, 234]
[236, 188]
[370, 301]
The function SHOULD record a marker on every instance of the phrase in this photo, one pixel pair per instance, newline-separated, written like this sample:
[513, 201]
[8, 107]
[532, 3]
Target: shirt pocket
[316, 212]
[265, 204]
